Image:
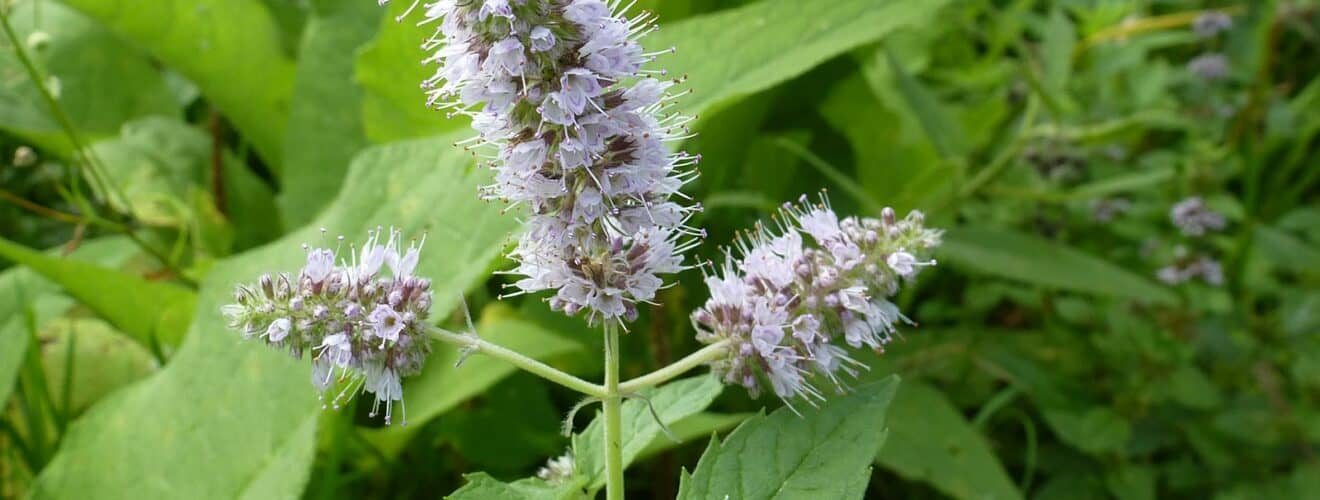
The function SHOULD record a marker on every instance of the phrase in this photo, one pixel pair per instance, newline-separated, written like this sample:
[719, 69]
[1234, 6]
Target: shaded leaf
[1038, 261]
[818, 454]
[101, 82]
[929, 440]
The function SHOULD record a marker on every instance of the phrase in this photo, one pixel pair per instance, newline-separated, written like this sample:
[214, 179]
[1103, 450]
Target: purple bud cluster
[788, 300]
[1194, 218]
[1210, 24]
[556, 88]
[365, 331]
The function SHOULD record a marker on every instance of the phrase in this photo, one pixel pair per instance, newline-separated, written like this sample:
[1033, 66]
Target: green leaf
[672, 402]
[1132, 482]
[104, 360]
[771, 41]
[1038, 261]
[390, 71]
[944, 133]
[433, 392]
[22, 290]
[1097, 431]
[159, 163]
[691, 428]
[1286, 251]
[818, 454]
[325, 119]
[929, 440]
[1057, 42]
[216, 44]
[130, 303]
[895, 162]
[217, 387]
[102, 82]
[481, 486]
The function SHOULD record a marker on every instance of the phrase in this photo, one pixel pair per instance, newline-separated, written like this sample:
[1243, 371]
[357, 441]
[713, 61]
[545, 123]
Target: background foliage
[196, 143]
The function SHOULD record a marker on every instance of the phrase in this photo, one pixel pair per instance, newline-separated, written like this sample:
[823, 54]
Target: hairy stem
[613, 427]
[706, 354]
[476, 344]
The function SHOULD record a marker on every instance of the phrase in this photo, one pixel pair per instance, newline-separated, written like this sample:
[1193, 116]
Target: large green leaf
[173, 434]
[100, 81]
[325, 119]
[23, 291]
[733, 53]
[819, 454]
[218, 44]
[672, 402]
[130, 303]
[929, 440]
[1038, 261]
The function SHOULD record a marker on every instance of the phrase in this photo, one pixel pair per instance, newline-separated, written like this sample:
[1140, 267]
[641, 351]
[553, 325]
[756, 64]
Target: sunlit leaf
[217, 387]
[130, 303]
[818, 454]
[202, 40]
[325, 119]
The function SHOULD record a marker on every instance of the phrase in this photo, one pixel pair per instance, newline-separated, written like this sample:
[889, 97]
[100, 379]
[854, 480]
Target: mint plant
[576, 130]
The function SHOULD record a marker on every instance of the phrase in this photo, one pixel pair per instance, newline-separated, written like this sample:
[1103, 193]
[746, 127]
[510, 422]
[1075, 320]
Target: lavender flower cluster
[1194, 219]
[557, 88]
[1187, 267]
[786, 301]
[366, 331]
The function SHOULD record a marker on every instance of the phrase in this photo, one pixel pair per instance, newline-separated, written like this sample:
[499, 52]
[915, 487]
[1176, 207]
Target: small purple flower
[320, 263]
[386, 323]
[279, 329]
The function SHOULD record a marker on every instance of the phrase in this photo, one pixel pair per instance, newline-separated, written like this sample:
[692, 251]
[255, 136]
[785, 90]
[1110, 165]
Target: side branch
[706, 354]
[477, 344]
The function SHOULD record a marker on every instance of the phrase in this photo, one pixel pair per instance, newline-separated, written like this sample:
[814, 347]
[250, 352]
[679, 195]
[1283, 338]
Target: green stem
[613, 426]
[705, 355]
[477, 344]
